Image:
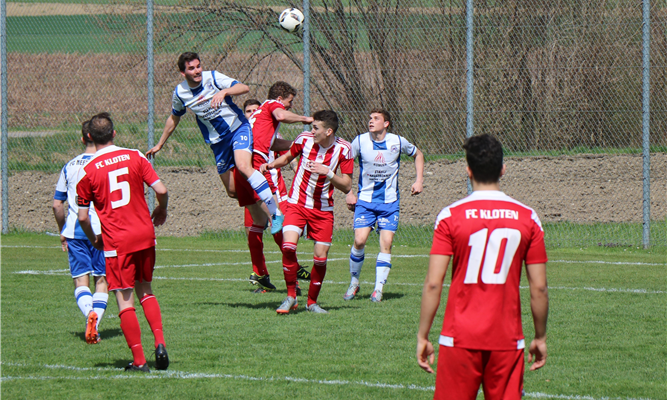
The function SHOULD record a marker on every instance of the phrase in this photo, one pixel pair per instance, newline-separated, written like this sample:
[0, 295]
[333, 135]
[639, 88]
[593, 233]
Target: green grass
[606, 328]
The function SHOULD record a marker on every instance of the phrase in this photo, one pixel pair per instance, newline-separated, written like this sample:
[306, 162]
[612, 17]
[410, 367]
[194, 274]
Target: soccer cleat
[91, 328]
[303, 273]
[351, 291]
[277, 223]
[161, 357]
[262, 281]
[140, 368]
[376, 297]
[316, 309]
[259, 290]
[288, 304]
[298, 289]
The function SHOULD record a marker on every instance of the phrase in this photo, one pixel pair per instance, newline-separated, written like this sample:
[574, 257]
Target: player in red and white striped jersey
[311, 201]
[489, 236]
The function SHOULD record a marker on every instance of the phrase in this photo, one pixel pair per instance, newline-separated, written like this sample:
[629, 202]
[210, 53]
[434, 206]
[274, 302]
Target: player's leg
[503, 375]
[357, 255]
[79, 252]
[294, 223]
[101, 295]
[260, 275]
[459, 374]
[320, 229]
[227, 179]
[387, 217]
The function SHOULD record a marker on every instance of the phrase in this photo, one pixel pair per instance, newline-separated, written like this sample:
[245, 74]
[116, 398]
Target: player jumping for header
[379, 155]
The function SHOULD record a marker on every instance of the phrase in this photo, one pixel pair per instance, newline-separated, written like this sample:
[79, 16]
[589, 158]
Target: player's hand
[218, 99]
[315, 167]
[425, 355]
[159, 216]
[416, 188]
[351, 200]
[264, 167]
[538, 348]
[63, 243]
[151, 152]
[98, 243]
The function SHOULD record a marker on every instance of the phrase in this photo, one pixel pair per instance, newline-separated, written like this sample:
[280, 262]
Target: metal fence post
[306, 57]
[151, 89]
[5, 135]
[646, 121]
[469, 75]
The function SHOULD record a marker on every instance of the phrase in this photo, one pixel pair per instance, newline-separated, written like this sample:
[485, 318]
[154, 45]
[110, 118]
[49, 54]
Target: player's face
[250, 109]
[287, 102]
[319, 132]
[377, 123]
[192, 72]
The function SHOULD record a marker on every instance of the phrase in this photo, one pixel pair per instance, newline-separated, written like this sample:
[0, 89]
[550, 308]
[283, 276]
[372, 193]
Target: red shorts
[123, 270]
[244, 192]
[461, 371]
[247, 218]
[320, 223]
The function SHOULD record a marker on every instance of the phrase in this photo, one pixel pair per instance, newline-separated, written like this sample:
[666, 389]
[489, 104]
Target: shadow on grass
[121, 364]
[104, 334]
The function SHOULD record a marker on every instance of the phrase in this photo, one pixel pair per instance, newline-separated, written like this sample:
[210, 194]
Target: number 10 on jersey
[502, 242]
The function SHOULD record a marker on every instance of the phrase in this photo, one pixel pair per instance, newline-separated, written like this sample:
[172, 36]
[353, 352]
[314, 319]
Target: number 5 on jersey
[490, 251]
[123, 186]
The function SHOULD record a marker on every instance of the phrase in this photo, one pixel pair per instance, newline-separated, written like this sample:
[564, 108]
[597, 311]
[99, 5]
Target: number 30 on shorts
[479, 246]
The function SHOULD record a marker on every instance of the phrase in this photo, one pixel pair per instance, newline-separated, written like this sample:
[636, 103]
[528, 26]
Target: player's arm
[59, 214]
[539, 305]
[437, 268]
[235, 90]
[159, 215]
[418, 186]
[281, 145]
[277, 163]
[169, 127]
[351, 200]
[341, 182]
[84, 221]
[288, 117]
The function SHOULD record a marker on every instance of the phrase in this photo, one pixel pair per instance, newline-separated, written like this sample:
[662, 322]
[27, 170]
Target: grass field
[607, 328]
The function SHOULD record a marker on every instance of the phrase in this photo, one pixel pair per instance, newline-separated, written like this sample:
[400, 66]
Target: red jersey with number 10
[114, 181]
[489, 235]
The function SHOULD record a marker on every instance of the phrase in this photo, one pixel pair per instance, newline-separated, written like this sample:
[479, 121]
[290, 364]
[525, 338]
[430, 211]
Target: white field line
[189, 375]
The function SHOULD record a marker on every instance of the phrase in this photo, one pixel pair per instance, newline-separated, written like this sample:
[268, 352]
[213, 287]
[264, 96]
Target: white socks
[261, 187]
[356, 262]
[382, 268]
[100, 305]
[84, 299]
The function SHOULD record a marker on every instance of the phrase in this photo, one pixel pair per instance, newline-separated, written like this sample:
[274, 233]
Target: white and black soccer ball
[291, 19]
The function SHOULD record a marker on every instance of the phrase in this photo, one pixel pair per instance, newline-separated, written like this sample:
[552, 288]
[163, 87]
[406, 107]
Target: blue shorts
[385, 214]
[84, 259]
[240, 139]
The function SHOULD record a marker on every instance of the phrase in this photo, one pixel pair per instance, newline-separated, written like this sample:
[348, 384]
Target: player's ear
[114, 134]
[469, 172]
[502, 171]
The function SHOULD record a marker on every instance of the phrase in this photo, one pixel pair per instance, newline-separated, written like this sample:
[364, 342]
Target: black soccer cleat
[303, 273]
[161, 357]
[140, 368]
[298, 289]
[265, 283]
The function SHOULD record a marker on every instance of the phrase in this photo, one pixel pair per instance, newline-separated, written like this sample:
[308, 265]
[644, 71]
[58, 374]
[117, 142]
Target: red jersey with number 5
[114, 181]
[490, 235]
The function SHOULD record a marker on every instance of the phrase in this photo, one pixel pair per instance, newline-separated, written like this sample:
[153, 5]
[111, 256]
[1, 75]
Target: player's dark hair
[251, 102]
[328, 118]
[281, 89]
[84, 132]
[100, 128]
[385, 115]
[484, 154]
[186, 58]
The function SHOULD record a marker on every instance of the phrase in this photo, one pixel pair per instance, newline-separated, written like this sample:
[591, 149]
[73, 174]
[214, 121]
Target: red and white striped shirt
[312, 190]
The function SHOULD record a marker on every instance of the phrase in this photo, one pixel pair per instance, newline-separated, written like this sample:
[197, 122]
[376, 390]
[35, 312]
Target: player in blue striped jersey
[379, 155]
[84, 259]
[224, 128]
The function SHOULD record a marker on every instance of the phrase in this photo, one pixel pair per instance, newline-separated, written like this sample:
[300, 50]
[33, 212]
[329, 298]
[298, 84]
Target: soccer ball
[291, 19]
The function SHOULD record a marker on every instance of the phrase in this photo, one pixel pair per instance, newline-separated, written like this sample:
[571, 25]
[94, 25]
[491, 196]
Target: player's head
[100, 128]
[484, 154]
[325, 124]
[283, 92]
[250, 106]
[379, 121]
[190, 67]
[84, 133]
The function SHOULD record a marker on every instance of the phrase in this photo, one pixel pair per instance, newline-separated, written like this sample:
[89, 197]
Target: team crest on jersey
[394, 148]
[380, 157]
[209, 86]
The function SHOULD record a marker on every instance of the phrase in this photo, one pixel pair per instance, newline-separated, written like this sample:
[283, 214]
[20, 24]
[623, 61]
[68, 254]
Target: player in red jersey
[489, 235]
[311, 201]
[265, 122]
[114, 181]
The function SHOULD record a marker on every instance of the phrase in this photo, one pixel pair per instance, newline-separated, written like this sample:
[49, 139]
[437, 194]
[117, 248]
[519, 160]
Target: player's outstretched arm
[539, 305]
[288, 117]
[437, 268]
[159, 215]
[59, 214]
[169, 127]
[418, 186]
[277, 163]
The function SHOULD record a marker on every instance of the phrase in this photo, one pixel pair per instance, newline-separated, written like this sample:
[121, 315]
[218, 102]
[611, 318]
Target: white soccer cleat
[351, 291]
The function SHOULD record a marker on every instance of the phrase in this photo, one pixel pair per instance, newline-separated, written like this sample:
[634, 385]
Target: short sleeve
[61, 186]
[347, 166]
[442, 238]
[177, 106]
[297, 145]
[83, 192]
[537, 253]
[222, 81]
[356, 147]
[149, 175]
[407, 147]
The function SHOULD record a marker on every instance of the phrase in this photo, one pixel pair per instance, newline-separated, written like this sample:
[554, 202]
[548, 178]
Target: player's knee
[289, 248]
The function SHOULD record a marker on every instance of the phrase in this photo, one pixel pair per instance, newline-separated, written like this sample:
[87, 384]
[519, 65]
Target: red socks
[129, 324]
[154, 316]
[290, 267]
[256, 247]
[316, 279]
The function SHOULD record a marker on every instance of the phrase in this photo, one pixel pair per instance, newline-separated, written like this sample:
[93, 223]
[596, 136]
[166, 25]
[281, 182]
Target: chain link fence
[559, 82]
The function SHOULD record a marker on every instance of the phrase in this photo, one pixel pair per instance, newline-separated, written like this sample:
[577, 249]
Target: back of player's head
[251, 102]
[385, 114]
[84, 132]
[484, 154]
[101, 128]
[186, 58]
[281, 89]
[328, 118]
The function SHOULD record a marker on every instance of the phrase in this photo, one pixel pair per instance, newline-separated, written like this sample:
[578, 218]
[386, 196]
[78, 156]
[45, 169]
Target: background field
[607, 328]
